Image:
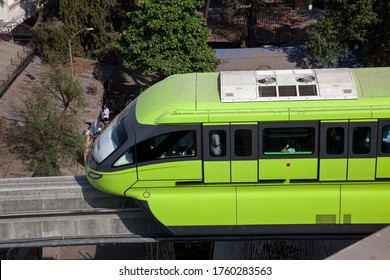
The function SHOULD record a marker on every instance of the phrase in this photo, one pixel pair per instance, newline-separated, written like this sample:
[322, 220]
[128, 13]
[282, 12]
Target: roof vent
[267, 80]
[305, 79]
[287, 85]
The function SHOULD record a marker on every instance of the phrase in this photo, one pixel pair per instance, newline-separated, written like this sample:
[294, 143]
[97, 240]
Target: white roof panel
[282, 85]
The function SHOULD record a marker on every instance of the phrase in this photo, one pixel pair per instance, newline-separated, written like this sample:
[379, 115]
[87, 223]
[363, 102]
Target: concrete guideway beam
[66, 210]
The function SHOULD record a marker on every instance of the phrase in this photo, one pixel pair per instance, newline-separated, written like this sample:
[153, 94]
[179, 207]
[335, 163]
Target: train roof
[267, 95]
[286, 85]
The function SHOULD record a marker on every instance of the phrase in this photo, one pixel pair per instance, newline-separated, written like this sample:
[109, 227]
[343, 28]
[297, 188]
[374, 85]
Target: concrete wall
[16, 11]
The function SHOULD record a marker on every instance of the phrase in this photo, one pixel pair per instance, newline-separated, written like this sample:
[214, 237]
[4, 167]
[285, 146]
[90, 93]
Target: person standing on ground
[106, 114]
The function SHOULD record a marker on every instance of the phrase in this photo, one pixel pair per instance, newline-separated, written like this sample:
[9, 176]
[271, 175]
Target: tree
[166, 37]
[50, 138]
[350, 28]
[63, 19]
[52, 43]
[77, 15]
[378, 47]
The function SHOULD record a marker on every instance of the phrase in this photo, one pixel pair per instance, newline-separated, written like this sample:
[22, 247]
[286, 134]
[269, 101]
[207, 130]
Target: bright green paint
[271, 205]
[216, 171]
[216, 123]
[333, 169]
[380, 112]
[176, 170]
[244, 115]
[114, 182]
[155, 184]
[366, 203]
[292, 168]
[184, 117]
[364, 120]
[335, 121]
[244, 171]
[383, 167]
[374, 82]
[329, 113]
[194, 205]
[175, 92]
[196, 99]
[361, 168]
[284, 153]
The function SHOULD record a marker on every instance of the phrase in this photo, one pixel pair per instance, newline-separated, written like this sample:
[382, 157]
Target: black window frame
[254, 141]
[381, 125]
[324, 141]
[373, 125]
[292, 124]
[206, 142]
[179, 133]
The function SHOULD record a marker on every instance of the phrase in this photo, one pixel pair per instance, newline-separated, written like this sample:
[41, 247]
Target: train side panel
[190, 206]
[288, 205]
[365, 203]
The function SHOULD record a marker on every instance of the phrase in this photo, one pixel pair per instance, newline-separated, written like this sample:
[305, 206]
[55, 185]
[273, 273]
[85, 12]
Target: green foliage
[349, 27]
[165, 38]
[324, 42]
[378, 46]
[52, 41]
[63, 19]
[49, 139]
[80, 14]
[65, 89]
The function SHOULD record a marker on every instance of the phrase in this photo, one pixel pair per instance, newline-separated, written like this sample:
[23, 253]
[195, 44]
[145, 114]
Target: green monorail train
[254, 152]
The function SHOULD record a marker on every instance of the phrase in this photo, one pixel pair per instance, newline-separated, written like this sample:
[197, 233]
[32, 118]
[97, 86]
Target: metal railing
[16, 65]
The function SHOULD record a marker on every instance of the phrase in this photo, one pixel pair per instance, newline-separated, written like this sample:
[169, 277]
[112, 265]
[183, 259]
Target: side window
[295, 140]
[361, 140]
[169, 145]
[217, 140]
[335, 140]
[243, 142]
[385, 143]
[127, 158]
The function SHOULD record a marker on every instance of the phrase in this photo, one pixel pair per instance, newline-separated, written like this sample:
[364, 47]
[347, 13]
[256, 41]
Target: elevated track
[53, 211]
[62, 211]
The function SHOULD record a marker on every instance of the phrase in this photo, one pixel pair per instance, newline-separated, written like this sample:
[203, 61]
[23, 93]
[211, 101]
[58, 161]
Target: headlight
[94, 175]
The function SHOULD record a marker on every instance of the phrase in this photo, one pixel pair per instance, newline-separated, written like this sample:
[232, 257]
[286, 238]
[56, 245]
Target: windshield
[113, 136]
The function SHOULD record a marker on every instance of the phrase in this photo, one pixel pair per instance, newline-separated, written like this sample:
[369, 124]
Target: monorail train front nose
[110, 165]
[116, 183]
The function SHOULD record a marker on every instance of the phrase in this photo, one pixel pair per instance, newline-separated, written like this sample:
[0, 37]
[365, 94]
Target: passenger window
[335, 140]
[217, 140]
[243, 142]
[361, 141]
[295, 140]
[127, 158]
[386, 139]
[174, 144]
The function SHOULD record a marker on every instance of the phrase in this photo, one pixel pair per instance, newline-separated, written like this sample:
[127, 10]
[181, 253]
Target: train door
[230, 153]
[362, 150]
[288, 151]
[348, 151]
[383, 158]
[216, 153]
[333, 151]
[244, 153]
[366, 203]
